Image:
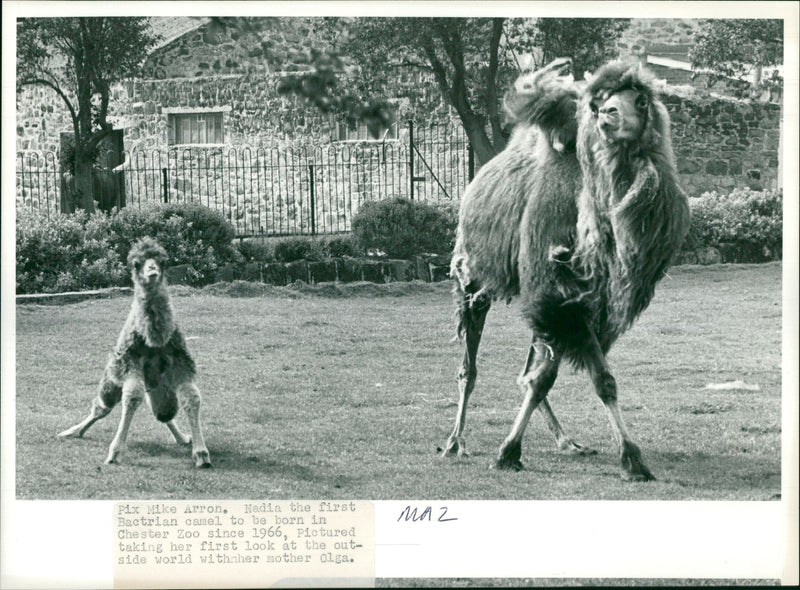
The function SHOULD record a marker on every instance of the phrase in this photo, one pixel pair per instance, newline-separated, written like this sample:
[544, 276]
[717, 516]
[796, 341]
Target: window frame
[205, 125]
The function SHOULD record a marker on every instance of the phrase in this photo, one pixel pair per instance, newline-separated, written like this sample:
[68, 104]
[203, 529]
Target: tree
[80, 59]
[740, 49]
[590, 42]
[470, 59]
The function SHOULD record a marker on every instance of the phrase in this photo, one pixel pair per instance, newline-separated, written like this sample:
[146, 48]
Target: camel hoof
[638, 476]
[508, 464]
[73, 432]
[455, 448]
[633, 468]
[573, 448]
[202, 460]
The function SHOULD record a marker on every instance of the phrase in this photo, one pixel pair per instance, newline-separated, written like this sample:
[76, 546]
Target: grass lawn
[347, 392]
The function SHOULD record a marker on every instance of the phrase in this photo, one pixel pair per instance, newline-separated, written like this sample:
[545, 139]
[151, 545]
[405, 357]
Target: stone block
[372, 271]
[297, 271]
[708, 256]
[423, 270]
[180, 274]
[275, 274]
[225, 273]
[322, 272]
[439, 272]
[251, 272]
[402, 270]
[349, 270]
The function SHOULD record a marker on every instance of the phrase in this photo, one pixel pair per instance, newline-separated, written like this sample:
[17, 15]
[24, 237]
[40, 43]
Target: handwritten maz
[410, 514]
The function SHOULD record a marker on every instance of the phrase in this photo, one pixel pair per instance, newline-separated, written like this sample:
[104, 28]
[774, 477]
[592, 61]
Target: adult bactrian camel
[580, 217]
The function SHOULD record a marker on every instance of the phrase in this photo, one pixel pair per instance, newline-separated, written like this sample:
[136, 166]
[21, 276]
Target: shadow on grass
[723, 472]
[289, 464]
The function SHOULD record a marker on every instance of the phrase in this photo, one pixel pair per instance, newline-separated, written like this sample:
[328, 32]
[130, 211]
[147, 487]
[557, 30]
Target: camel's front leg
[631, 462]
[189, 396]
[133, 393]
[474, 319]
[536, 379]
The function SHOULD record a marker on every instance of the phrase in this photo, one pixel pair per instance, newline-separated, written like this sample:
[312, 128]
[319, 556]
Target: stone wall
[721, 143]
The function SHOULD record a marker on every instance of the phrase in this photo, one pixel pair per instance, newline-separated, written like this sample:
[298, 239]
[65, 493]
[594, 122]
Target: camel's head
[619, 98]
[147, 260]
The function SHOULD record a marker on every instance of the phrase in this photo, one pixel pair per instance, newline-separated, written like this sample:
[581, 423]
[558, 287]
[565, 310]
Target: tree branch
[491, 78]
[57, 89]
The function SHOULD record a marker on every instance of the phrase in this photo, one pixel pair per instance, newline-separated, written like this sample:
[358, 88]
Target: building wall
[719, 143]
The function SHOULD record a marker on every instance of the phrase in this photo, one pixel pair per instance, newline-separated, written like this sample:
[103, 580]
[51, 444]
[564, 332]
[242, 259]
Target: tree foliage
[740, 49]
[80, 59]
[471, 60]
[590, 42]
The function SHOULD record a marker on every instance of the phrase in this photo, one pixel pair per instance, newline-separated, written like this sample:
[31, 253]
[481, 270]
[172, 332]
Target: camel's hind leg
[189, 397]
[538, 376]
[133, 392]
[563, 441]
[633, 467]
[473, 317]
[108, 396]
[179, 436]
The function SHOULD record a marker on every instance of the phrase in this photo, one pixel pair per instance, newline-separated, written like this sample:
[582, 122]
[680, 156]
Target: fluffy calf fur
[150, 361]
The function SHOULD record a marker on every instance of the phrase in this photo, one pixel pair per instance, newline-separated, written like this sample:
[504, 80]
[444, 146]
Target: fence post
[313, 203]
[165, 184]
[411, 158]
[471, 162]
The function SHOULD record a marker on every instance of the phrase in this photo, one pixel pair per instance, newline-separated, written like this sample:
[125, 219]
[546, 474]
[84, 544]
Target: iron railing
[271, 191]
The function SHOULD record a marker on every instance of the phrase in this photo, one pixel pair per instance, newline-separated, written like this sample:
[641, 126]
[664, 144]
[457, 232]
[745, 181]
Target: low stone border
[73, 296]
[427, 268]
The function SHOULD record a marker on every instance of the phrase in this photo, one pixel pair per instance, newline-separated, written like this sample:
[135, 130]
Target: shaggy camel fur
[149, 361]
[580, 216]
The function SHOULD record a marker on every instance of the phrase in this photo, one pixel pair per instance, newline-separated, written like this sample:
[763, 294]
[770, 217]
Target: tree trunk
[84, 184]
[480, 142]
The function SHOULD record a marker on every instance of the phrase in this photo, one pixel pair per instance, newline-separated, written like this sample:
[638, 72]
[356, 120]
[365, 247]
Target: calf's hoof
[74, 432]
[202, 459]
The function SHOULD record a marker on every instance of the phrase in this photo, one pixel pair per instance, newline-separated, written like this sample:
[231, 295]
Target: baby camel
[150, 358]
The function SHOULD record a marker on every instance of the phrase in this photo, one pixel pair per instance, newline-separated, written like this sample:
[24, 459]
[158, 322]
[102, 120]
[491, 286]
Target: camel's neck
[152, 316]
[632, 220]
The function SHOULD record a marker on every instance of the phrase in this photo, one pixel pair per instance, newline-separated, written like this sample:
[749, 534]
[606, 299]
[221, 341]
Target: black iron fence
[271, 191]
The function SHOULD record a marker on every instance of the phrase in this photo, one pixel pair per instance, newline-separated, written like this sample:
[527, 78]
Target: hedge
[79, 251]
[745, 218]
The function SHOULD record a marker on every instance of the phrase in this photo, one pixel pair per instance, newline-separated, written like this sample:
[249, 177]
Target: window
[196, 128]
[358, 131]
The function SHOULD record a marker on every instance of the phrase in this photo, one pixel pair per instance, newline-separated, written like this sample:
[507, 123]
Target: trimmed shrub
[752, 220]
[79, 251]
[256, 250]
[402, 229]
[299, 248]
[339, 246]
[56, 253]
